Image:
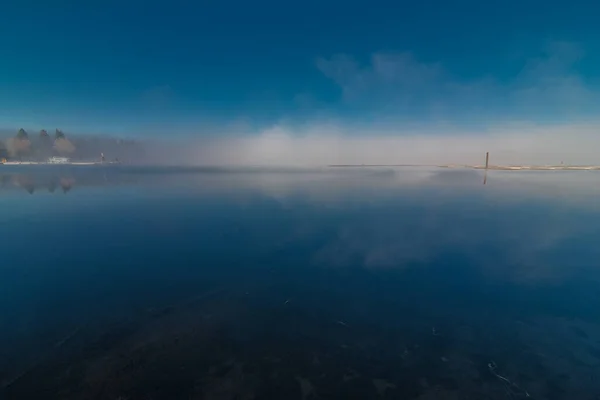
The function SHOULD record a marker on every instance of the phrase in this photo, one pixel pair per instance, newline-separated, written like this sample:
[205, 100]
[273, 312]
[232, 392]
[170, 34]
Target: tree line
[24, 146]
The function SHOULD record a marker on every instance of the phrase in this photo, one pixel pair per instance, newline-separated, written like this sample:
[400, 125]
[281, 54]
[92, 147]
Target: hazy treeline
[39, 146]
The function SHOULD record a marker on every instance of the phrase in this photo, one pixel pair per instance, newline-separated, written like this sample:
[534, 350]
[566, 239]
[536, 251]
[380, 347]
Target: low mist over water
[129, 282]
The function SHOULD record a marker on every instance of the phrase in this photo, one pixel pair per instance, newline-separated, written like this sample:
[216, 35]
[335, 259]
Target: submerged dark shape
[52, 186]
[66, 184]
[456, 177]
[26, 182]
[4, 180]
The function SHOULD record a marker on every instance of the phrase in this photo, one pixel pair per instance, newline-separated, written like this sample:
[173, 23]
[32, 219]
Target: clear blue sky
[133, 66]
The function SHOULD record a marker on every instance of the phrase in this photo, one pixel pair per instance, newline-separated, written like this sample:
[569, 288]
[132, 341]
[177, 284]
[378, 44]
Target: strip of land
[489, 167]
[63, 163]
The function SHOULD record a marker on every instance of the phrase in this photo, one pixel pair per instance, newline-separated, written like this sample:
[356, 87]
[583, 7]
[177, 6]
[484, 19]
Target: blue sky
[139, 68]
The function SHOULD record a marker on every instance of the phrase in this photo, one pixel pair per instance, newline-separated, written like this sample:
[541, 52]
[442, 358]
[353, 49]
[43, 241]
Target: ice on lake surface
[206, 283]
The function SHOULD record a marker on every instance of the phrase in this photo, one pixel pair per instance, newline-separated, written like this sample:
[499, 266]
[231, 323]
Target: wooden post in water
[487, 164]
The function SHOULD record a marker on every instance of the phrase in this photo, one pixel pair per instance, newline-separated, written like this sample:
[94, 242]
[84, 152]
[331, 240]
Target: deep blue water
[231, 284]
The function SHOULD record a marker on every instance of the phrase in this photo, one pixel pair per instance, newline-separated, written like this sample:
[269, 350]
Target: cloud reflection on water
[520, 226]
[442, 246]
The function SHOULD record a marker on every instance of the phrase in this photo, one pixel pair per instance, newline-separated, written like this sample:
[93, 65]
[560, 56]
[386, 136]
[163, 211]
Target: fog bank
[321, 146]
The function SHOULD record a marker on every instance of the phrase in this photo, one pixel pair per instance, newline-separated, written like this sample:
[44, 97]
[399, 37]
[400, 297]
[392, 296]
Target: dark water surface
[123, 283]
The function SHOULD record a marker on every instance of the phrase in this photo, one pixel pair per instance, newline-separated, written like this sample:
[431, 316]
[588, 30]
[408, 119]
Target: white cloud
[546, 87]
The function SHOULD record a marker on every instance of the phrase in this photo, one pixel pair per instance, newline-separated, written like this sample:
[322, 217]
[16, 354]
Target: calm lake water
[124, 283]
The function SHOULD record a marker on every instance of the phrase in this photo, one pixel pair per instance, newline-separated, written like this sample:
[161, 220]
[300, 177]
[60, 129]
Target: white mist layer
[322, 146]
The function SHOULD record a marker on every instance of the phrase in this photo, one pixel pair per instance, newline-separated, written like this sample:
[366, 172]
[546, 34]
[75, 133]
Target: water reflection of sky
[517, 256]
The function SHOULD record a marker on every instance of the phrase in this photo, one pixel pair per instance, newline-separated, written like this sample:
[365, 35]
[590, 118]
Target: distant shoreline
[491, 167]
[12, 163]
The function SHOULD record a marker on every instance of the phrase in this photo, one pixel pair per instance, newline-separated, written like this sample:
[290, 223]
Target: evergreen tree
[43, 148]
[63, 145]
[22, 135]
[20, 144]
